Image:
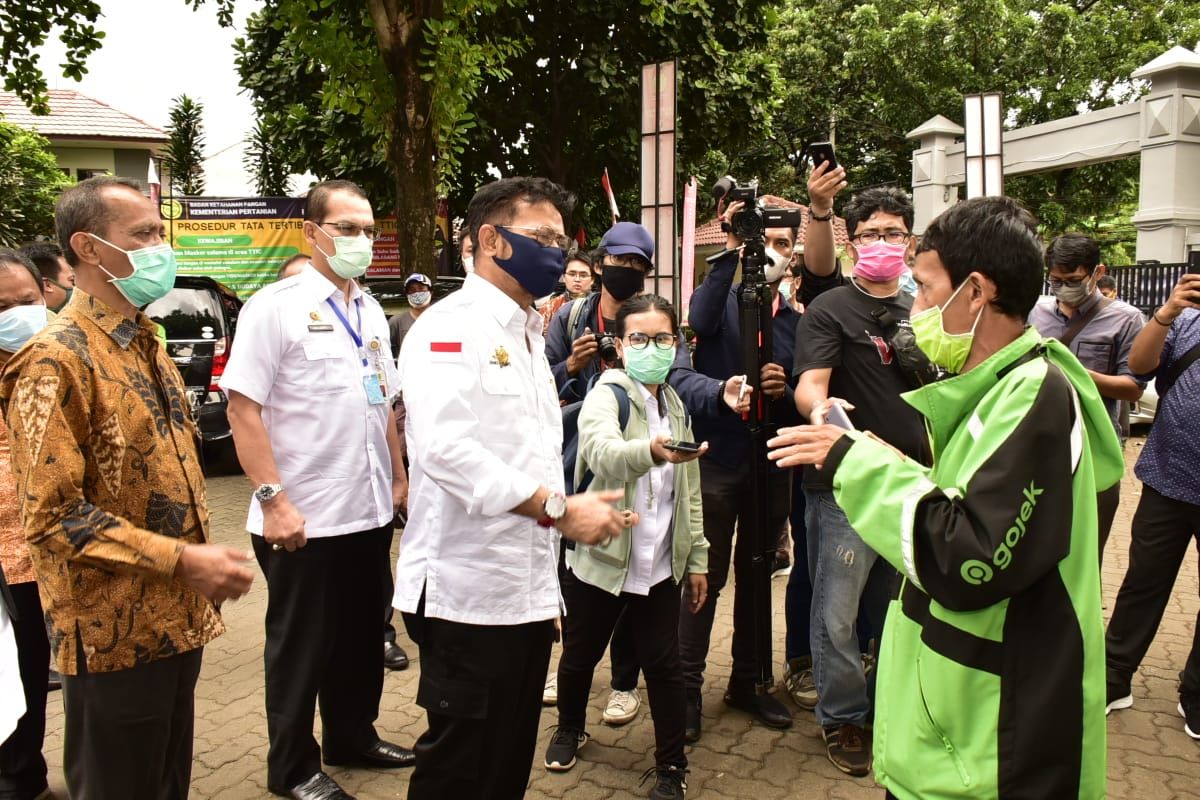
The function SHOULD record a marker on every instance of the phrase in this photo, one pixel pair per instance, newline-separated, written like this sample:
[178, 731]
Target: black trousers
[128, 734]
[1107, 503]
[481, 688]
[587, 627]
[726, 495]
[22, 768]
[622, 655]
[324, 603]
[1162, 530]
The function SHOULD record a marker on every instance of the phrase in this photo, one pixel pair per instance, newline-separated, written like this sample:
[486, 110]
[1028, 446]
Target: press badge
[374, 389]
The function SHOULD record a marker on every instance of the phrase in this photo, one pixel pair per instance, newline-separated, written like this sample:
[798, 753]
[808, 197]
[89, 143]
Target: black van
[200, 317]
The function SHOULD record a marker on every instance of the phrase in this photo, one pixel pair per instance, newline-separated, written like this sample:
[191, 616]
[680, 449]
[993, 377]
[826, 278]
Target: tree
[30, 181]
[266, 161]
[184, 153]
[24, 28]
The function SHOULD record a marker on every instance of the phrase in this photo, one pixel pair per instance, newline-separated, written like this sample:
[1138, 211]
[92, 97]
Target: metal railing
[1148, 286]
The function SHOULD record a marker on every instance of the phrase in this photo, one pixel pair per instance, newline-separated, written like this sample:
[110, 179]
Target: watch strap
[815, 217]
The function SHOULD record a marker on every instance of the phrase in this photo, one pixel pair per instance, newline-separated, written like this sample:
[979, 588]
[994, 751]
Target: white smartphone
[836, 415]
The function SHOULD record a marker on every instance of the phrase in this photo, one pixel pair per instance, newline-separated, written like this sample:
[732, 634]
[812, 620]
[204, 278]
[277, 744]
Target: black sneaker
[848, 749]
[668, 783]
[560, 754]
[1189, 709]
[692, 723]
[1117, 698]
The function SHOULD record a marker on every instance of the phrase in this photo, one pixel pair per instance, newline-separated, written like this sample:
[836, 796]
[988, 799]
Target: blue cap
[419, 277]
[629, 238]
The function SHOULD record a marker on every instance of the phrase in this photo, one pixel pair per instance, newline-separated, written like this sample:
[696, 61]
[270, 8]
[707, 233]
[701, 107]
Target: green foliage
[184, 153]
[30, 181]
[266, 163]
[24, 28]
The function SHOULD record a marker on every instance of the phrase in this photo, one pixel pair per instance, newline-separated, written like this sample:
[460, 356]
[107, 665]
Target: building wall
[133, 163]
[87, 158]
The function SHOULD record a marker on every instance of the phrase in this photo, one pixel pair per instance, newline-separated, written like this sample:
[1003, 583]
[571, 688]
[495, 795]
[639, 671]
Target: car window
[189, 313]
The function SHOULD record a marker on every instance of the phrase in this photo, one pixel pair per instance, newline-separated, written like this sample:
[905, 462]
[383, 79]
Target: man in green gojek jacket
[991, 669]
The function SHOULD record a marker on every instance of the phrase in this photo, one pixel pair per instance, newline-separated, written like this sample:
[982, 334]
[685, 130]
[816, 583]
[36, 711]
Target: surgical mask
[18, 325]
[880, 261]
[419, 299]
[468, 264]
[622, 282]
[1073, 296]
[774, 271]
[649, 365]
[351, 255]
[785, 289]
[153, 273]
[68, 290]
[538, 269]
[947, 350]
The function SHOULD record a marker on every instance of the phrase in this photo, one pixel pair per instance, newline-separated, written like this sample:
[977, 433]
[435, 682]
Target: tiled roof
[710, 232]
[77, 116]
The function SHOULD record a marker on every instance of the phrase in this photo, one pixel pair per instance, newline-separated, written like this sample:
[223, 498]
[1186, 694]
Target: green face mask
[947, 350]
[649, 365]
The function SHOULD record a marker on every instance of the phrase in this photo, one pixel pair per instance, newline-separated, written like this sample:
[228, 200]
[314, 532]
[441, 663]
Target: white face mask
[774, 270]
[468, 264]
[420, 299]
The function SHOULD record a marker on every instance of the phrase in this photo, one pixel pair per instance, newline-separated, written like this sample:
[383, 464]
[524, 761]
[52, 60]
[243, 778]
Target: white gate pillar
[933, 191]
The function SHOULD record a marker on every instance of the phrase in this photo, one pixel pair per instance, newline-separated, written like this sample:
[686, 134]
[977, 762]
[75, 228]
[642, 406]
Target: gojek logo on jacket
[974, 571]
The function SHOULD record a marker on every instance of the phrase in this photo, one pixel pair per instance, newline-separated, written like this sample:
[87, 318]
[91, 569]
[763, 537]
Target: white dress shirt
[484, 431]
[293, 356]
[650, 546]
[12, 696]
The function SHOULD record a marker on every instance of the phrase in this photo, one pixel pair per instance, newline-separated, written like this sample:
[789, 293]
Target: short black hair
[1107, 282]
[82, 208]
[317, 201]
[579, 254]
[888, 199]
[45, 256]
[496, 202]
[283, 267]
[15, 258]
[1073, 250]
[640, 304]
[997, 237]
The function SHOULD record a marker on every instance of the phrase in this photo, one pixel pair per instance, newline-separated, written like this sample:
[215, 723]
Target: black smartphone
[682, 447]
[822, 153]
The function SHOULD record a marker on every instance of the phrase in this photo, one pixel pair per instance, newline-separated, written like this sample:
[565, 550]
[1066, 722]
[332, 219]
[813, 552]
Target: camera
[608, 348]
[752, 221]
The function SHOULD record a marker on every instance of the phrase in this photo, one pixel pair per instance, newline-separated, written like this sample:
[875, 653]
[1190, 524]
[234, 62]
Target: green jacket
[991, 671]
[618, 459]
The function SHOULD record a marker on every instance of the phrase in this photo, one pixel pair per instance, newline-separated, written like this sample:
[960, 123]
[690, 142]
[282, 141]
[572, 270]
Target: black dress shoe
[770, 711]
[381, 754]
[691, 724]
[319, 787]
[394, 657]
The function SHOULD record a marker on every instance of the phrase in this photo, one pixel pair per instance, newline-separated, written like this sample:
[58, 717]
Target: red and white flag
[155, 186]
[612, 200]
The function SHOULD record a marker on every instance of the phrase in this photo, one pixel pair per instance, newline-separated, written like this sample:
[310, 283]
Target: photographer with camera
[726, 474]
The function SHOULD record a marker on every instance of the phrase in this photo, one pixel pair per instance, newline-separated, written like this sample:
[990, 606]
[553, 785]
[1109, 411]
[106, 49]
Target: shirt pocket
[503, 393]
[1096, 355]
[325, 367]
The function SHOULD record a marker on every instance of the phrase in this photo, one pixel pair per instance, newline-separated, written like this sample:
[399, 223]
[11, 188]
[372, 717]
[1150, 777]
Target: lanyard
[355, 335]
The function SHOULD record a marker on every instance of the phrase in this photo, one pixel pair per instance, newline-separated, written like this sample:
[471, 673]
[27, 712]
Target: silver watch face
[555, 506]
[267, 491]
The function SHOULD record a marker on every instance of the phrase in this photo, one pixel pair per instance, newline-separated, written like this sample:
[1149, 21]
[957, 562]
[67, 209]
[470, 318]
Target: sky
[155, 50]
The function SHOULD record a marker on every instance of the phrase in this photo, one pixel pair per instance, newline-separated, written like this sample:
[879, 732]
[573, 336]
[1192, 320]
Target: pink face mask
[880, 261]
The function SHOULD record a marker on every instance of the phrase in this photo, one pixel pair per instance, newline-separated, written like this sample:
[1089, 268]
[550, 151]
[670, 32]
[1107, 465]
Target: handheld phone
[822, 153]
[682, 447]
[837, 416]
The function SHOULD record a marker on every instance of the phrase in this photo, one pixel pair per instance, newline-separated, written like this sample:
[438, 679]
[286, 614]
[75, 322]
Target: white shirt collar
[503, 308]
[322, 288]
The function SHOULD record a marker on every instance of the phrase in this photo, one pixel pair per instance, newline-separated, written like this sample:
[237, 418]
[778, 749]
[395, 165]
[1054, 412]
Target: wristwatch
[815, 217]
[268, 491]
[554, 509]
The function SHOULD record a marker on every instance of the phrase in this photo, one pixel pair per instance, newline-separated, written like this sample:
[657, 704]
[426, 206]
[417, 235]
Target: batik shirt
[111, 489]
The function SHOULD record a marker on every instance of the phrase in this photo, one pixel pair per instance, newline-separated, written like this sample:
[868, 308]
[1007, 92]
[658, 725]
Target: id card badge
[374, 389]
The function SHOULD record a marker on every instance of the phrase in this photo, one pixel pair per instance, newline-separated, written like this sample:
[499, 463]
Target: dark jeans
[797, 604]
[622, 654]
[1162, 529]
[128, 734]
[22, 768]
[1106, 511]
[726, 495]
[324, 603]
[588, 625]
[481, 688]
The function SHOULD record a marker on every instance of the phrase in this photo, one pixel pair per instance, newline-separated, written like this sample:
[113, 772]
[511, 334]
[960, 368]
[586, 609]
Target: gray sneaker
[848, 749]
[798, 680]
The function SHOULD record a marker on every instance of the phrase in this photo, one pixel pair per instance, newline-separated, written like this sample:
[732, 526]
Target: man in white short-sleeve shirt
[477, 574]
[310, 383]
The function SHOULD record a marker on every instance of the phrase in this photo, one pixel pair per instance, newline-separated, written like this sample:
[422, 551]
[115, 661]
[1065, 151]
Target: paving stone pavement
[1149, 755]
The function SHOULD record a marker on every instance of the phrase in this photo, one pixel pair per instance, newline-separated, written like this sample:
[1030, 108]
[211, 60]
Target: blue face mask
[18, 325]
[538, 269]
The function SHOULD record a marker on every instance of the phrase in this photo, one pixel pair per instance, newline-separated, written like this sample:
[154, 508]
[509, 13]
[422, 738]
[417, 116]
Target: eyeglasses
[663, 341]
[372, 232]
[892, 236]
[1075, 283]
[545, 236]
[579, 276]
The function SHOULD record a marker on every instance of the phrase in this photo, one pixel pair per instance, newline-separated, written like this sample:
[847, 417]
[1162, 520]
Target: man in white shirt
[310, 386]
[477, 574]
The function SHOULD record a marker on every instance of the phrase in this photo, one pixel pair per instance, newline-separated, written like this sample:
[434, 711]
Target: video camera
[752, 221]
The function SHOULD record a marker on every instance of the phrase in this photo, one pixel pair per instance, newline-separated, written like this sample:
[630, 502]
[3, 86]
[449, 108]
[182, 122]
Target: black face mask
[622, 282]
